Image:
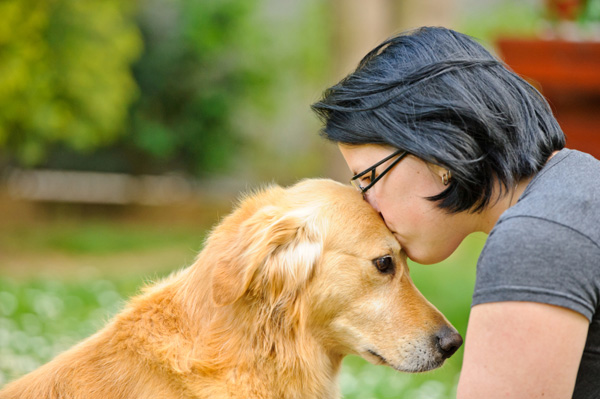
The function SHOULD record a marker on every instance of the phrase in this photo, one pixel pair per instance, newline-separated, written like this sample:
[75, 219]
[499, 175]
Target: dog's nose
[448, 341]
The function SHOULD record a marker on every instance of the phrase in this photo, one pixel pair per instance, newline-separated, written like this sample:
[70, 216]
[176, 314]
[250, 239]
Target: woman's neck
[491, 214]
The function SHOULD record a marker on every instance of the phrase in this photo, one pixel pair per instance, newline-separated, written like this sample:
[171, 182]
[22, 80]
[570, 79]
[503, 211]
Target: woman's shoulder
[566, 170]
[565, 192]
[532, 259]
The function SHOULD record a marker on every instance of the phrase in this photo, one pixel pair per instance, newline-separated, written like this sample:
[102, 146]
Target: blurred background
[129, 127]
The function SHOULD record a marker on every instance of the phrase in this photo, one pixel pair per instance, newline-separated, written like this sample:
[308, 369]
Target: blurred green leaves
[65, 73]
[197, 66]
[153, 86]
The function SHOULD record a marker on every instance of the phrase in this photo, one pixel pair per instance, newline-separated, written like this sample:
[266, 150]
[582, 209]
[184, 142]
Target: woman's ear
[444, 175]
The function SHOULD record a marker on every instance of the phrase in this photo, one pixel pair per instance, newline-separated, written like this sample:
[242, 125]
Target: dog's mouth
[380, 358]
[418, 367]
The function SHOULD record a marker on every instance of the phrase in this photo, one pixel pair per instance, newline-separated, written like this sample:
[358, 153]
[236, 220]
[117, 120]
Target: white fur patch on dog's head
[275, 247]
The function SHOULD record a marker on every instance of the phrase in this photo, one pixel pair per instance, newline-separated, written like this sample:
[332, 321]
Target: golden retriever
[285, 287]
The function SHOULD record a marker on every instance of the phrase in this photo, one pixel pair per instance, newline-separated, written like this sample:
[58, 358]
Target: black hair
[441, 96]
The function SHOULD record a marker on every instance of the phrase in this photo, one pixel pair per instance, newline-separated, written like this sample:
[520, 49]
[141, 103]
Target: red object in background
[568, 75]
[564, 9]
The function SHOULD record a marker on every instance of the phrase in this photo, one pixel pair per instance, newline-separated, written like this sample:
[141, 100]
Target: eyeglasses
[355, 179]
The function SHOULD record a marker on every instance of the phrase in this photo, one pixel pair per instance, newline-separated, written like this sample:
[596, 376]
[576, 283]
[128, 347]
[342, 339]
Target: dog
[287, 285]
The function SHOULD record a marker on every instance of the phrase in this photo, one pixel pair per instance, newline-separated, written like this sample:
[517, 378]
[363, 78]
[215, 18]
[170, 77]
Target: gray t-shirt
[546, 248]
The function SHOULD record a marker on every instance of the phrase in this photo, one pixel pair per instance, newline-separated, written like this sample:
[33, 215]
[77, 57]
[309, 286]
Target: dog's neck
[274, 357]
[256, 344]
[267, 379]
[256, 354]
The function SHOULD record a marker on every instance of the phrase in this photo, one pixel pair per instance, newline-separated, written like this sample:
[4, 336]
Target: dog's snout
[448, 341]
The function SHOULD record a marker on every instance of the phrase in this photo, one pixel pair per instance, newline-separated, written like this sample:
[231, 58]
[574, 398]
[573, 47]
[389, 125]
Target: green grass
[97, 237]
[39, 318]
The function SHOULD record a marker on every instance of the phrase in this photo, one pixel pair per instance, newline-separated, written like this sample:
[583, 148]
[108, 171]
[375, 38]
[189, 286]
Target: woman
[445, 141]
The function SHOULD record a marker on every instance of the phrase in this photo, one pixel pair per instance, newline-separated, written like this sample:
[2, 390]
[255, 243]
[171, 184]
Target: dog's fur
[284, 289]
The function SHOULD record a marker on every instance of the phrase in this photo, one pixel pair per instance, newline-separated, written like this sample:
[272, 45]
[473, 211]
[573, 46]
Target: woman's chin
[425, 257]
[426, 253]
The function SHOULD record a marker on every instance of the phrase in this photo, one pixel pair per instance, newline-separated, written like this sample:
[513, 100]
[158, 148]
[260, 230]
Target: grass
[97, 237]
[46, 307]
[41, 318]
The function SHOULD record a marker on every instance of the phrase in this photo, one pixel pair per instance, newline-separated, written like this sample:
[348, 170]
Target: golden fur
[284, 289]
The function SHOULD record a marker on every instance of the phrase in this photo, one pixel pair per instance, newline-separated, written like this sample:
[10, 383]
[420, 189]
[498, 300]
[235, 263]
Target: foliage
[64, 73]
[510, 17]
[199, 61]
[590, 13]
[517, 18]
[77, 91]
[206, 67]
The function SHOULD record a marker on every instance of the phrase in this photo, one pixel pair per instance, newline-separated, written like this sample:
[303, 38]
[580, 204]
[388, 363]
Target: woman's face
[427, 233]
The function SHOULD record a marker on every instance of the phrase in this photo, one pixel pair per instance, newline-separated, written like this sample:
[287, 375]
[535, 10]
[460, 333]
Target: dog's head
[319, 257]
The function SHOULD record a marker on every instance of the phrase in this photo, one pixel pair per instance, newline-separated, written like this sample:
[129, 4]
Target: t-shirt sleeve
[535, 260]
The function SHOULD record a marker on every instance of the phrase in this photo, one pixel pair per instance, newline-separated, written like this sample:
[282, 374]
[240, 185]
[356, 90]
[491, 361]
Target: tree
[65, 73]
[200, 61]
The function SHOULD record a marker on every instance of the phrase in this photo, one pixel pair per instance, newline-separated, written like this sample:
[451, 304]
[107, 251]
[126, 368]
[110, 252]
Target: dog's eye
[385, 264]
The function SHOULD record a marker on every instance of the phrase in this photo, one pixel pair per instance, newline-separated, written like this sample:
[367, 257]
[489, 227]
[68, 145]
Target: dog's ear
[274, 252]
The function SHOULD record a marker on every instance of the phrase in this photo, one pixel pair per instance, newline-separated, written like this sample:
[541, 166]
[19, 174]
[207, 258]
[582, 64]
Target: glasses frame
[400, 153]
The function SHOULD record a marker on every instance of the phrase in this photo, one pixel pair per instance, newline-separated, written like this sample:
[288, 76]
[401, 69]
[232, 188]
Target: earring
[446, 178]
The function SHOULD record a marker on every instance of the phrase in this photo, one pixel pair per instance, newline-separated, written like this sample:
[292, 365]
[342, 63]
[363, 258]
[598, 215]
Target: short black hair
[441, 96]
